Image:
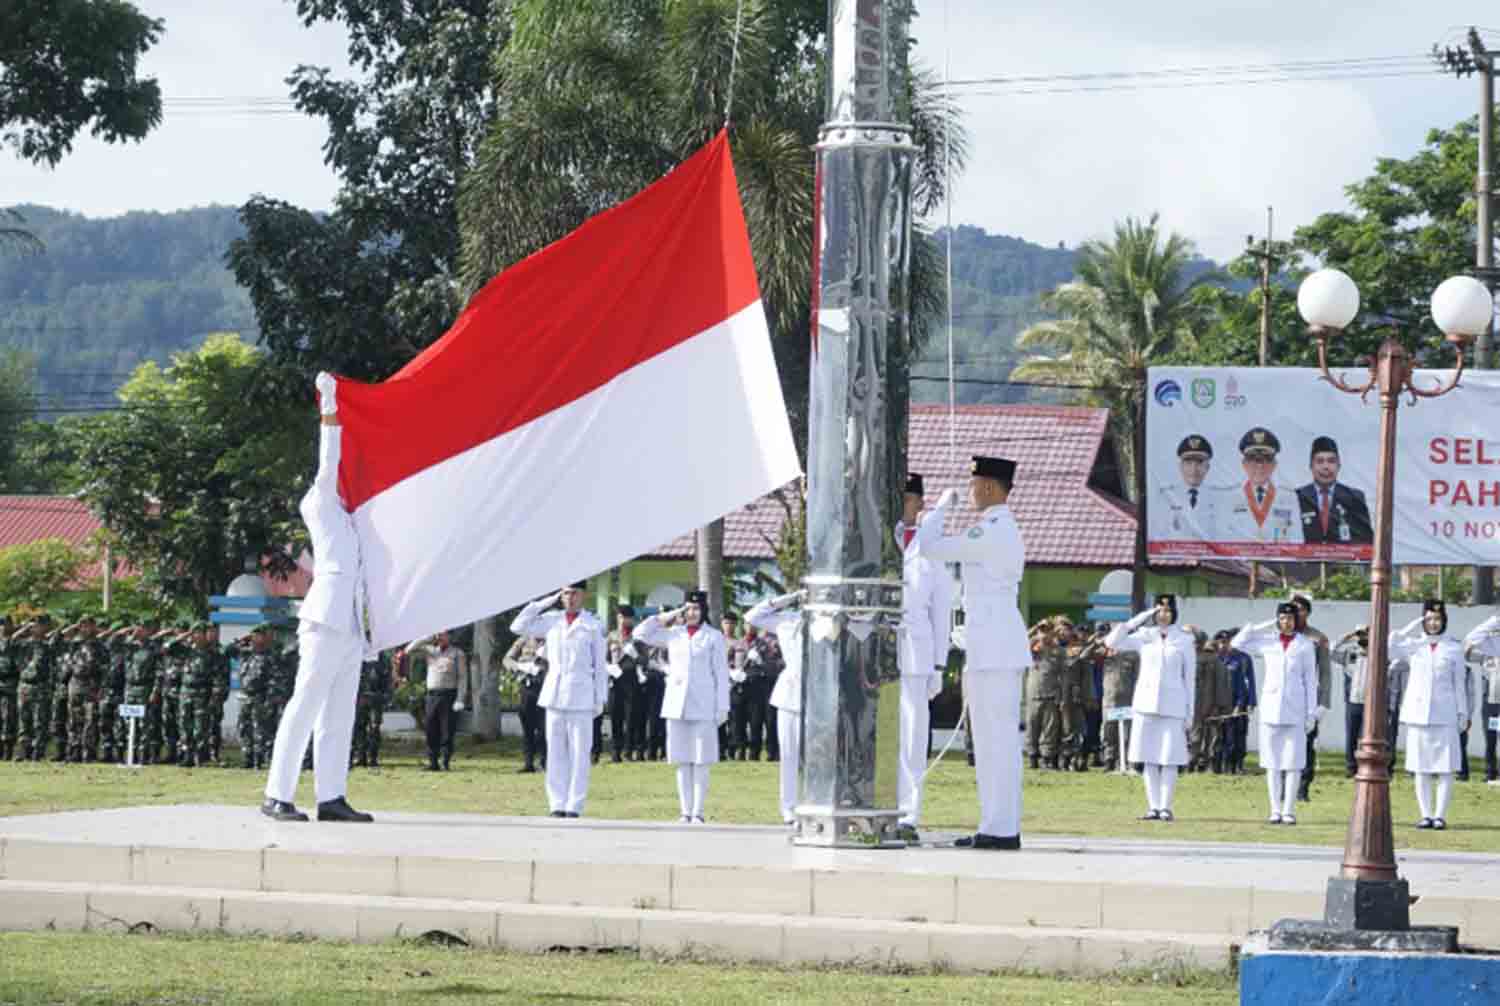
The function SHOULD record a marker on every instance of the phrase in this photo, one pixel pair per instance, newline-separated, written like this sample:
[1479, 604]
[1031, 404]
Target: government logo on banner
[1294, 476]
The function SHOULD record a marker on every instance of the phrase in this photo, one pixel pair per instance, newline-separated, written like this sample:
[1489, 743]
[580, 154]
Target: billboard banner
[1276, 463]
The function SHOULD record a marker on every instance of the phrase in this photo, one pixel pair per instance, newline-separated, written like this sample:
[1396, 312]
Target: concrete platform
[1070, 905]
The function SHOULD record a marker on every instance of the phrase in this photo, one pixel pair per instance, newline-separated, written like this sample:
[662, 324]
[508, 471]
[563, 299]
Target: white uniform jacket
[332, 600]
[992, 558]
[1289, 694]
[576, 678]
[1167, 682]
[787, 624]
[1276, 519]
[1174, 516]
[1484, 638]
[697, 670]
[926, 609]
[1436, 687]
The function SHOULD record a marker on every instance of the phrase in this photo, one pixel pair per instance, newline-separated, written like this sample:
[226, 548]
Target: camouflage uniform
[195, 713]
[220, 695]
[175, 652]
[62, 668]
[118, 651]
[369, 711]
[88, 665]
[1077, 693]
[281, 680]
[1120, 670]
[257, 667]
[34, 697]
[142, 661]
[1212, 699]
[1044, 698]
[10, 682]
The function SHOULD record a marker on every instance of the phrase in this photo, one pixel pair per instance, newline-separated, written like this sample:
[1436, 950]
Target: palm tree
[1129, 305]
[599, 98]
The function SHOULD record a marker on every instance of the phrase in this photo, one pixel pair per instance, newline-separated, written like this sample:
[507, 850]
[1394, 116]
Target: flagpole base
[854, 829]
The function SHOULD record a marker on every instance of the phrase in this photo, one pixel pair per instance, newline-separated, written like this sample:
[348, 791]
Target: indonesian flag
[604, 396]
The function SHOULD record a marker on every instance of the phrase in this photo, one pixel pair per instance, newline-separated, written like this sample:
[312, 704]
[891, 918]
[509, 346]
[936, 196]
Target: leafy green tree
[194, 482]
[37, 572]
[363, 289]
[70, 64]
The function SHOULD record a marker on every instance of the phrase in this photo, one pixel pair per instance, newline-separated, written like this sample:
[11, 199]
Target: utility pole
[1462, 63]
[1268, 263]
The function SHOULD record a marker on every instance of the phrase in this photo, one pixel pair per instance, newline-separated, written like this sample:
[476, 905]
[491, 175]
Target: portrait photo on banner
[1275, 463]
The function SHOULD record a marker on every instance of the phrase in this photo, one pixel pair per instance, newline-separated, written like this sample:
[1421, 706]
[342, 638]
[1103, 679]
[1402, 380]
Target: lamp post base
[1317, 936]
[1367, 904]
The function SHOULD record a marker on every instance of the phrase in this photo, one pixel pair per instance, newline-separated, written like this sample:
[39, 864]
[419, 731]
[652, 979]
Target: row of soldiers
[1075, 681]
[66, 683]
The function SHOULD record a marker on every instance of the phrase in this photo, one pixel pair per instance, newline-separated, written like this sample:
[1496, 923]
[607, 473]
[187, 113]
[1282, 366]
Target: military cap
[1259, 440]
[1323, 445]
[1223, 634]
[999, 469]
[1193, 445]
[914, 483]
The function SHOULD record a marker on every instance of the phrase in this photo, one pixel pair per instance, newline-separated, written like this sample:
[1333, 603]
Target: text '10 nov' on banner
[1276, 463]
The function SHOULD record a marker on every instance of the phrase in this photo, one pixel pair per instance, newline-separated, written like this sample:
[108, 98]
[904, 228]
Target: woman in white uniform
[781, 616]
[1288, 704]
[1435, 708]
[1163, 700]
[696, 700]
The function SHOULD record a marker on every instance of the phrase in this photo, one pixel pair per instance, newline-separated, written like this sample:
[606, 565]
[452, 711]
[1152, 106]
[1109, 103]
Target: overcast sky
[1047, 167]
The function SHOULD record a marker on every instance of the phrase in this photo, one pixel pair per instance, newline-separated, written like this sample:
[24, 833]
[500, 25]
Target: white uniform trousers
[915, 715]
[789, 733]
[994, 699]
[570, 745]
[321, 707]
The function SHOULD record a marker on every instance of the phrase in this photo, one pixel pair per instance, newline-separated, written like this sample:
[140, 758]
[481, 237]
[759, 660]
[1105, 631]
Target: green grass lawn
[484, 781]
[117, 969]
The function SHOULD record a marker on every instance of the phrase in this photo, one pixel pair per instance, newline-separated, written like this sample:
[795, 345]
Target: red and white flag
[593, 401]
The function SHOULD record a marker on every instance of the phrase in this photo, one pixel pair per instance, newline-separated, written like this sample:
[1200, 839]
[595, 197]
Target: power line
[1286, 68]
[1184, 85]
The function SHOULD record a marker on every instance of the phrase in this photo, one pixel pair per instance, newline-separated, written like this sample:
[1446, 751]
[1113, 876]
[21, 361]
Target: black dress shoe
[525, 768]
[338, 809]
[979, 840]
[557, 813]
[280, 810]
[570, 813]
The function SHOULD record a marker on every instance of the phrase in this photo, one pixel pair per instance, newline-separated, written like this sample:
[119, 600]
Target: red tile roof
[1064, 520]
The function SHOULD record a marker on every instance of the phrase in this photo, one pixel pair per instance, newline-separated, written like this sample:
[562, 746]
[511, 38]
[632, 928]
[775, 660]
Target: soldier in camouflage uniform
[10, 683]
[369, 712]
[280, 683]
[195, 700]
[1120, 670]
[88, 667]
[222, 653]
[117, 649]
[62, 668]
[1078, 687]
[142, 655]
[257, 667]
[34, 654]
[1044, 692]
[1212, 700]
[175, 652]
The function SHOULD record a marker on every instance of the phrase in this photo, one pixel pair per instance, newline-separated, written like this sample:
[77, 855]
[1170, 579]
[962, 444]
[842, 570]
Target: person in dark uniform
[1332, 512]
[764, 657]
[734, 734]
[526, 662]
[653, 691]
[1324, 660]
[755, 693]
[1242, 701]
[627, 716]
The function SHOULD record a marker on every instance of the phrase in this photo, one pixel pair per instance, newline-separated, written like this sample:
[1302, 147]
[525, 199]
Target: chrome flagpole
[857, 434]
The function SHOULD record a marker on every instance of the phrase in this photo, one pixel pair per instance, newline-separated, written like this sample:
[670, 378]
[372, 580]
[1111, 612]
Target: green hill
[106, 294]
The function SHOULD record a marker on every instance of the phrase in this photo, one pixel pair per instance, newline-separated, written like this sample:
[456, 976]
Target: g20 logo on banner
[1203, 391]
[1168, 393]
[1232, 397]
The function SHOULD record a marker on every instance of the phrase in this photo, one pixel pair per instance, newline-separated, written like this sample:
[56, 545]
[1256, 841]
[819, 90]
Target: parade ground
[459, 856]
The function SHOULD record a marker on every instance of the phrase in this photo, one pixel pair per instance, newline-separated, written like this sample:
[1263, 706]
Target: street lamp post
[1368, 896]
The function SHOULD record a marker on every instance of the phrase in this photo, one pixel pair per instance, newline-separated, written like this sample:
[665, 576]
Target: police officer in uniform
[734, 733]
[653, 692]
[627, 714]
[1260, 508]
[1352, 654]
[1240, 670]
[526, 662]
[1323, 655]
[1186, 511]
[992, 558]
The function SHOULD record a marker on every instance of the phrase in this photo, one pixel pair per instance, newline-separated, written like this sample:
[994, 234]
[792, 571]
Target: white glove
[1318, 712]
[1312, 724]
[723, 717]
[956, 636]
[934, 685]
[458, 705]
[737, 676]
[785, 599]
[754, 657]
[327, 393]
[631, 652]
[948, 498]
[598, 709]
[613, 670]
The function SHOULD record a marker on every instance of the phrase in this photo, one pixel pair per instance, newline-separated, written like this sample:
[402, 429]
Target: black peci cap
[627, 610]
[1288, 608]
[999, 469]
[1323, 445]
[698, 597]
[914, 483]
